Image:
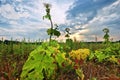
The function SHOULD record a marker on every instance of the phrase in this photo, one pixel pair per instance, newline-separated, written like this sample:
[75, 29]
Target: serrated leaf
[38, 61]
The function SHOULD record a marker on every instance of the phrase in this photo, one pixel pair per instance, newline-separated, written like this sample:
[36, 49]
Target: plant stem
[51, 27]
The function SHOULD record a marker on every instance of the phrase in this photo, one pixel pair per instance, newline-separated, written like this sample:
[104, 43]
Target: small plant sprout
[51, 31]
[106, 36]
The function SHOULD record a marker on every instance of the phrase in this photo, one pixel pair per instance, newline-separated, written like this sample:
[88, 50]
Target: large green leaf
[40, 63]
[56, 33]
[50, 31]
[100, 56]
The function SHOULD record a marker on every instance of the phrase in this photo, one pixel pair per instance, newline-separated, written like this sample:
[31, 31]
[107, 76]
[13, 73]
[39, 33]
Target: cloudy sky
[86, 18]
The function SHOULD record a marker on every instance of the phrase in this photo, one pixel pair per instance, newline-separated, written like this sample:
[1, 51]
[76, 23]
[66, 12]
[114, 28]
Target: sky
[86, 19]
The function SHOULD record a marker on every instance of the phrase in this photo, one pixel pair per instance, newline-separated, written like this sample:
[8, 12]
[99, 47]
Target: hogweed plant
[44, 62]
[67, 30]
[51, 31]
[69, 42]
[106, 36]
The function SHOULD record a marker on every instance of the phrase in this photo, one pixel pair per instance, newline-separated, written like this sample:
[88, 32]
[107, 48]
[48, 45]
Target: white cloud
[28, 20]
[13, 22]
[58, 12]
[103, 19]
[8, 12]
[19, 0]
[107, 14]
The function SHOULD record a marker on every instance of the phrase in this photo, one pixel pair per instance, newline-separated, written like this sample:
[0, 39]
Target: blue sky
[86, 18]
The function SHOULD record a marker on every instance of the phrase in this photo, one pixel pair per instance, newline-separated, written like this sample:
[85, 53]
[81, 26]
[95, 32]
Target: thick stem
[51, 27]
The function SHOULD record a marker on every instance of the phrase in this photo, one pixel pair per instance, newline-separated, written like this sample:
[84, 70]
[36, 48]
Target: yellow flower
[78, 57]
[79, 54]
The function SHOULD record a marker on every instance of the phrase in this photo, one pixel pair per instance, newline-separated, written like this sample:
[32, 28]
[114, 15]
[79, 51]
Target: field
[65, 50]
[60, 61]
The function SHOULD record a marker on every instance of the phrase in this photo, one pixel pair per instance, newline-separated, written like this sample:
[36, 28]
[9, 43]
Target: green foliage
[111, 54]
[67, 35]
[50, 31]
[54, 32]
[68, 32]
[93, 78]
[48, 61]
[43, 62]
[80, 73]
[106, 30]
[69, 43]
[47, 16]
[100, 56]
[106, 36]
[113, 59]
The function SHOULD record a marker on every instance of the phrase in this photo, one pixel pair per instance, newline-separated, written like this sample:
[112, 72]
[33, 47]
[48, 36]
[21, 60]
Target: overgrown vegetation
[53, 60]
[103, 61]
